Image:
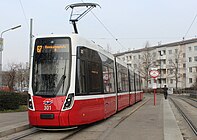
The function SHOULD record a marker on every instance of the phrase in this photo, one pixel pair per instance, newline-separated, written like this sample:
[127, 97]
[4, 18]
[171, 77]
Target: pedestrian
[165, 90]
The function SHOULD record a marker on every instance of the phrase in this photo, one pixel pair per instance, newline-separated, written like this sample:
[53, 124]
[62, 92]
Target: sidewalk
[148, 123]
[13, 122]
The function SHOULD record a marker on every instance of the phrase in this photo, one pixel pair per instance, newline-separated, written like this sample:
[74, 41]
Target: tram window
[82, 52]
[140, 82]
[108, 79]
[123, 84]
[82, 77]
[94, 77]
[81, 81]
[132, 81]
[137, 82]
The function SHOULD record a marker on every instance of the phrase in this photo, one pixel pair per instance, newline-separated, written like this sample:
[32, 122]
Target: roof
[183, 42]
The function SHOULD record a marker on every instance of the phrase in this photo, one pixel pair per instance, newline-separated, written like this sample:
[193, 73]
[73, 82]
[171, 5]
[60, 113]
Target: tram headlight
[30, 103]
[69, 101]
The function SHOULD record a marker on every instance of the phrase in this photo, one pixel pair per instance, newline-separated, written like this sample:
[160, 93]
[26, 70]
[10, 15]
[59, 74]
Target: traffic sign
[154, 73]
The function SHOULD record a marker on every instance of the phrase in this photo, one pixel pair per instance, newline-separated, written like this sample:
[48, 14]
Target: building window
[190, 59]
[138, 56]
[190, 80]
[170, 51]
[195, 58]
[190, 69]
[190, 48]
[195, 48]
[184, 65]
[171, 81]
[176, 51]
[159, 80]
[184, 75]
[183, 55]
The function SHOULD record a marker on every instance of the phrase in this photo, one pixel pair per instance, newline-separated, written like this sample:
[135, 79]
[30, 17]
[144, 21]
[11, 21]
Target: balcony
[163, 57]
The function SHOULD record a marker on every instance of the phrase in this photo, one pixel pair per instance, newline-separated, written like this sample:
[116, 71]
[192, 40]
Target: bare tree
[146, 62]
[194, 86]
[17, 75]
[10, 76]
[22, 76]
[174, 66]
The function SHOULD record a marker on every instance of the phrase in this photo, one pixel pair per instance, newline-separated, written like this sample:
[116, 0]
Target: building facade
[176, 63]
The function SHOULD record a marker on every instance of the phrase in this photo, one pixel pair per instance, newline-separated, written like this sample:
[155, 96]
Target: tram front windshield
[51, 66]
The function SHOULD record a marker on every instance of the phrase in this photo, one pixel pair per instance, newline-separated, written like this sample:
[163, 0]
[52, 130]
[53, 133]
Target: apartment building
[176, 62]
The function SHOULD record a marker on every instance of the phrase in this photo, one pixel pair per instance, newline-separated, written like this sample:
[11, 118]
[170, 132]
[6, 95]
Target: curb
[11, 129]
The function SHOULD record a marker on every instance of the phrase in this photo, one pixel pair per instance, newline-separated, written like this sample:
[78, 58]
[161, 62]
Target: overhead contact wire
[190, 26]
[26, 21]
[116, 39]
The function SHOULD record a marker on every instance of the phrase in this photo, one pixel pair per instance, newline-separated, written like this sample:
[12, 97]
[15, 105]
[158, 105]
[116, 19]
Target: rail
[192, 126]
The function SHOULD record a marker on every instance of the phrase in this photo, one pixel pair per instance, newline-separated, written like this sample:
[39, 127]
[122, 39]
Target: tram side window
[137, 82]
[108, 79]
[81, 73]
[140, 83]
[94, 70]
[82, 77]
[123, 84]
[132, 81]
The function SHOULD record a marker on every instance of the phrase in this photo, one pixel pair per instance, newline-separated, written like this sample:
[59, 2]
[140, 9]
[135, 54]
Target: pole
[1, 50]
[30, 43]
[160, 71]
[154, 93]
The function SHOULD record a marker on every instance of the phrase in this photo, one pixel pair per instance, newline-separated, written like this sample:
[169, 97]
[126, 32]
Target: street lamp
[161, 54]
[1, 49]
[13, 28]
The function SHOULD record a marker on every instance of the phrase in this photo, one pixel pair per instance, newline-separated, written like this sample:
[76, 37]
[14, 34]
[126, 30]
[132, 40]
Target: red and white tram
[74, 81]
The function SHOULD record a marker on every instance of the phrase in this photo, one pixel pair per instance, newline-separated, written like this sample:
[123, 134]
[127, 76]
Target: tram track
[186, 117]
[185, 100]
[192, 99]
[34, 130]
[36, 133]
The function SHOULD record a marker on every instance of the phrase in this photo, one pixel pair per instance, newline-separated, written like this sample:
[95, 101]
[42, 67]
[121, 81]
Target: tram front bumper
[48, 119]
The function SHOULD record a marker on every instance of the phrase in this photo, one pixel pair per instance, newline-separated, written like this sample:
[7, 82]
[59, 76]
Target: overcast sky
[132, 22]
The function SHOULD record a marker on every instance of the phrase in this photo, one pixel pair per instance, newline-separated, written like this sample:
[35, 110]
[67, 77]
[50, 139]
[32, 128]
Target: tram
[74, 82]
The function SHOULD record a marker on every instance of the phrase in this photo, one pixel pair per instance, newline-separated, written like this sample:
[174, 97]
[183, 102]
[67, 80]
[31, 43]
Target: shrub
[23, 98]
[12, 100]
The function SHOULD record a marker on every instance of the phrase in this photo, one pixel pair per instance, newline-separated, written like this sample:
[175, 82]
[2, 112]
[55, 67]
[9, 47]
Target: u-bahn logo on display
[47, 101]
[154, 73]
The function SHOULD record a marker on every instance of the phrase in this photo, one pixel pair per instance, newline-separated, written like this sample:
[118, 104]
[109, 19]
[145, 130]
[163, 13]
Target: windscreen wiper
[59, 84]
